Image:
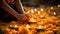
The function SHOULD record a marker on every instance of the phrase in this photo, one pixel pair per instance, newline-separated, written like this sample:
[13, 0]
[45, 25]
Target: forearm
[19, 6]
[8, 9]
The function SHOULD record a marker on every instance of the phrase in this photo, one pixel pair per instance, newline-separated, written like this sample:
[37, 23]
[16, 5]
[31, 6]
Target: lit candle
[35, 9]
[54, 13]
[41, 9]
[32, 20]
[51, 7]
[28, 12]
[27, 26]
[58, 5]
[32, 11]
[38, 12]
[41, 16]
[39, 26]
[15, 26]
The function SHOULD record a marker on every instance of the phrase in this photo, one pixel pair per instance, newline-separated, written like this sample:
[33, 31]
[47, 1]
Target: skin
[11, 11]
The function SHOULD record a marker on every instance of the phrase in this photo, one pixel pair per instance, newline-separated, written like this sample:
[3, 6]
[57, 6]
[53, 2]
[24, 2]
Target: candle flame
[28, 12]
[27, 26]
[54, 13]
[32, 11]
[35, 9]
[32, 20]
[41, 9]
[38, 12]
[15, 26]
[51, 7]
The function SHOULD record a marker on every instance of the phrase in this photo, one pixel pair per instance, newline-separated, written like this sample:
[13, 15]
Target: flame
[38, 12]
[54, 13]
[32, 11]
[51, 7]
[35, 9]
[41, 16]
[39, 26]
[27, 26]
[41, 9]
[32, 20]
[15, 26]
[28, 12]
[58, 5]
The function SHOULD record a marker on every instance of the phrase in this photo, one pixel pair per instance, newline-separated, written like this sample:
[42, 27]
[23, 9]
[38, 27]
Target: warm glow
[54, 13]
[58, 5]
[41, 16]
[42, 19]
[15, 26]
[28, 12]
[27, 26]
[11, 26]
[32, 20]
[39, 27]
[32, 11]
[38, 12]
[35, 9]
[51, 7]
[41, 9]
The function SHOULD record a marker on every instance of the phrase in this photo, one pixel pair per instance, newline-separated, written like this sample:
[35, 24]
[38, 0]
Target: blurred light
[41, 9]
[15, 26]
[54, 13]
[32, 11]
[7, 29]
[35, 9]
[51, 7]
[33, 26]
[39, 26]
[28, 12]
[11, 26]
[42, 22]
[41, 16]
[38, 12]
[58, 5]
[32, 20]
[27, 26]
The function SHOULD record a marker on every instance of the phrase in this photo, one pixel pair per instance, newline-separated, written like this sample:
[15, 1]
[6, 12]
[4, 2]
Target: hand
[22, 17]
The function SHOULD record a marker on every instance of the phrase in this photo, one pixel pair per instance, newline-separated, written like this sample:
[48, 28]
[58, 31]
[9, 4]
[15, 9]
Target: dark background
[52, 2]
